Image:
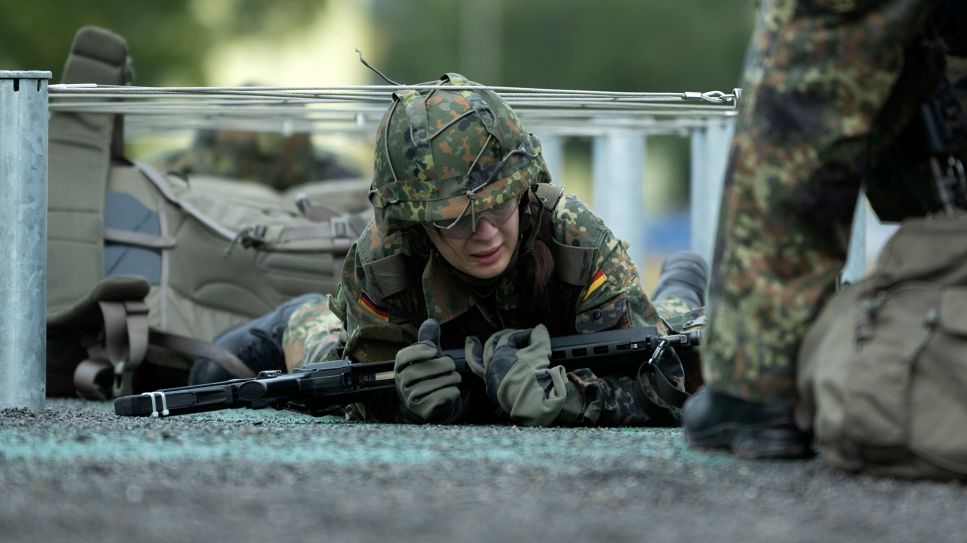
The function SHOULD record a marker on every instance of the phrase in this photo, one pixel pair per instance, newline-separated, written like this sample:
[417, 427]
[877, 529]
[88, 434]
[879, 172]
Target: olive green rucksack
[144, 268]
[883, 371]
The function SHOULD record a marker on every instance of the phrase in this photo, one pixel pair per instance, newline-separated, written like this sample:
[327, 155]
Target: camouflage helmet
[443, 154]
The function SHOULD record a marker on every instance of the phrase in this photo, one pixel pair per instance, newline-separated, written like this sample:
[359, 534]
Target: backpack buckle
[252, 236]
[341, 227]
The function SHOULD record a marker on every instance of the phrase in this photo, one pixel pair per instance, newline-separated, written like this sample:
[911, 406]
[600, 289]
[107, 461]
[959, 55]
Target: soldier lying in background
[277, 160]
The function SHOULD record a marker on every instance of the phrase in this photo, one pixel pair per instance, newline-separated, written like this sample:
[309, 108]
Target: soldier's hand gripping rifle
[316, 387]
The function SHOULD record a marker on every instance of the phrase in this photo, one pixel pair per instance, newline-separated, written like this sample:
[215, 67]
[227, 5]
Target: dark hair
[541, 266]
[543, 299]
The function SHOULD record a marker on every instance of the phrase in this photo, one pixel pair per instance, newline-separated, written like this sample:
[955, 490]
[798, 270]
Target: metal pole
[23, 231]
[618, 171]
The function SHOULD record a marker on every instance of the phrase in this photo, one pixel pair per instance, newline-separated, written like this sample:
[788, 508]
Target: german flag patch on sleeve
[372, 308]
[599, 279]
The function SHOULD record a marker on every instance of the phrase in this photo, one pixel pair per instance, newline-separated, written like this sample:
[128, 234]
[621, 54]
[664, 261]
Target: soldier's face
[486, 253]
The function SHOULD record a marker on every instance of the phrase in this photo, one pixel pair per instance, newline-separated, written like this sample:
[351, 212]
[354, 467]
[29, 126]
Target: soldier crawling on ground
[472, 244]
[277, 160]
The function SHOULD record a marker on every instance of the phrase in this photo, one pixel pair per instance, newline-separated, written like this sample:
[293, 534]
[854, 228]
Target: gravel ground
[77, 472]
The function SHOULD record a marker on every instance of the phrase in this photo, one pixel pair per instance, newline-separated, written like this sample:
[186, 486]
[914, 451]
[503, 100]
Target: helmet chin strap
[473, 210]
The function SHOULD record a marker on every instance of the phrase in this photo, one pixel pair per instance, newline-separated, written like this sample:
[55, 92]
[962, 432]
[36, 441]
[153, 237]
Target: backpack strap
[113, 324]
[196, 348]
[161, 183]
[97, 378]
[123, 343]
[541, 214]
[112, 321]
[549, 195]
[313, 211]
[572, 265]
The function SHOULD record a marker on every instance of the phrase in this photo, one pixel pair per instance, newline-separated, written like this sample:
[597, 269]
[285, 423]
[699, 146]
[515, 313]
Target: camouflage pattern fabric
[610, 297]
[313, 334]
[674, 310]
[817, 76]
[617, 400]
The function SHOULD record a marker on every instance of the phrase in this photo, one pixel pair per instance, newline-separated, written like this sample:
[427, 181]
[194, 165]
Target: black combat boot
[714, 420]
[257, 343]
[684, 275]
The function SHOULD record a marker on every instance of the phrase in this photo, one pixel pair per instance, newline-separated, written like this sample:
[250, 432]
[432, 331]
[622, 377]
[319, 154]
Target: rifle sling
[667, 391]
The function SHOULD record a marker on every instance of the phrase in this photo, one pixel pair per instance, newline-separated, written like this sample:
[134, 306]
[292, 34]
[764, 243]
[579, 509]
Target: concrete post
[552, 149]
[709, 158]
[23, 231]
[618, 171]
[699, 202]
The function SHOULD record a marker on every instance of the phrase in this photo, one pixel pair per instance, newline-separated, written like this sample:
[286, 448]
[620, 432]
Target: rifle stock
[321, 385]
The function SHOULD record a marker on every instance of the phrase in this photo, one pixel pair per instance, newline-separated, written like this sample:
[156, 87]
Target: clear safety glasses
[465, 225]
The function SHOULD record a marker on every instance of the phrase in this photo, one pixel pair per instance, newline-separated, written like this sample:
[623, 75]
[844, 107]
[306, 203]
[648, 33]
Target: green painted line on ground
[286, 437]
[359, 444]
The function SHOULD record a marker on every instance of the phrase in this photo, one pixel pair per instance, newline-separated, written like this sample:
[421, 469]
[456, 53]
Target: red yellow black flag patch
[370, 307]
[599, 279]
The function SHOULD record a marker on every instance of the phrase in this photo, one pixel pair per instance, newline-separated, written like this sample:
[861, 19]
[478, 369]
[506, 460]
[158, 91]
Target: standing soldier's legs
[817, 76]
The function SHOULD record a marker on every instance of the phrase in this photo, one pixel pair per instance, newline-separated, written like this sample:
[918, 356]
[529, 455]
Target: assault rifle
[316, 387]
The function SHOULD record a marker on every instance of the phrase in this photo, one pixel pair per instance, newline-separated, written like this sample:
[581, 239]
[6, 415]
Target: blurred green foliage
[644, 45]
[168, 39]
[600, 44]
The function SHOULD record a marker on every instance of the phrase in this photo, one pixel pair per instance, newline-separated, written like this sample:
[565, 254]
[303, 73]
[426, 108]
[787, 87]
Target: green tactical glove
[426, 380]
[515, 366]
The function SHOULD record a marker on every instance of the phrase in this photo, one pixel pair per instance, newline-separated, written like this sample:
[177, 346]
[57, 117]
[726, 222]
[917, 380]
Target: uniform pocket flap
[953, 311]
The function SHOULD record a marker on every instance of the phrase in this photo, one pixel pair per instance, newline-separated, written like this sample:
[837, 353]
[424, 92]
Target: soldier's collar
[449, 293]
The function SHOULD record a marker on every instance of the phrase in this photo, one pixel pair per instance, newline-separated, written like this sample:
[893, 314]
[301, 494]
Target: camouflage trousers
[817, 75]
[315, 333]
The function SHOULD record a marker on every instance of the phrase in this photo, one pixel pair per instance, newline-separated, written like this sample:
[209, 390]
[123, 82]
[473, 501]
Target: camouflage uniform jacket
[391, 284]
